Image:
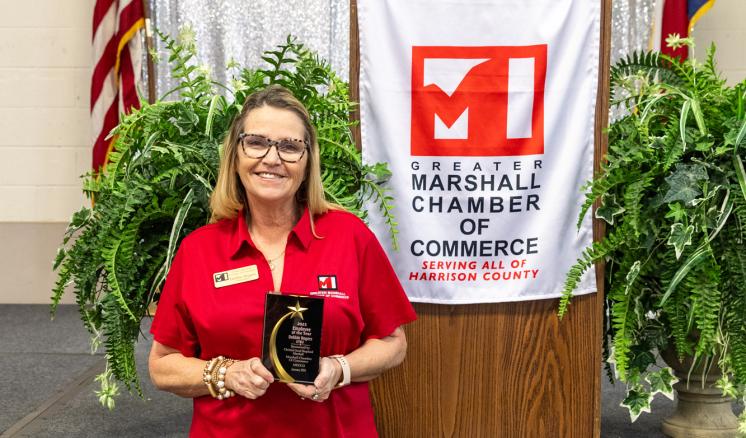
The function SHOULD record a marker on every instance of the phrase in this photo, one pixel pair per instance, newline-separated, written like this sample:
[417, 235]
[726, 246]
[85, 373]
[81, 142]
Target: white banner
[484, 111]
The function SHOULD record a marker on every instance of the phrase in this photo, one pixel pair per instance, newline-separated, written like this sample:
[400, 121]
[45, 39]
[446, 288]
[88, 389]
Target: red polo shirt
[203, 321]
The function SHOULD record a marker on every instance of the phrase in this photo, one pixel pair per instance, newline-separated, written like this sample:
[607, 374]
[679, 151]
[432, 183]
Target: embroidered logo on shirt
[330, 294]
[327, 282]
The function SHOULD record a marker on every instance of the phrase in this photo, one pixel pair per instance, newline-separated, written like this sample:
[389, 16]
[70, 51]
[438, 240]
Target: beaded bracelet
[218, 377]
[214, 377]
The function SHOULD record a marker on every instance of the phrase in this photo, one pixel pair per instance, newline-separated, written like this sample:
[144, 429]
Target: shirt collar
[240, 235]
[302, 230]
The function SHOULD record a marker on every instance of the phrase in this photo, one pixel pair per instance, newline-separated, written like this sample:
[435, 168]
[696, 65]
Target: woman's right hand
[248, 378]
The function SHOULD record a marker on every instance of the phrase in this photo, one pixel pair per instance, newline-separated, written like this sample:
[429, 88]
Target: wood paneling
[499, 370]
[495, 370]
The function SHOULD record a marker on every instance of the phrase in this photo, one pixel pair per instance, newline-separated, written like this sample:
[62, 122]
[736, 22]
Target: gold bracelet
[214, 377]
[207, 376]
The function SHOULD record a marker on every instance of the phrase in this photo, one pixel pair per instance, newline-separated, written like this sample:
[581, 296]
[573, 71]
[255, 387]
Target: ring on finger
[315, 396]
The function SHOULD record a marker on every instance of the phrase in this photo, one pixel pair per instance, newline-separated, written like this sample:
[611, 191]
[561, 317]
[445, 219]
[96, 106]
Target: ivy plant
[672, 191]
[156, 188]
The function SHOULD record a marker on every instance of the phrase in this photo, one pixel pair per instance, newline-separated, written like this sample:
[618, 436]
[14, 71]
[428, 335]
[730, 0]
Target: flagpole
[148, 46]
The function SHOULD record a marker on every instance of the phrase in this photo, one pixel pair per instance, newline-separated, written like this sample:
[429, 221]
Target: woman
[269, 211]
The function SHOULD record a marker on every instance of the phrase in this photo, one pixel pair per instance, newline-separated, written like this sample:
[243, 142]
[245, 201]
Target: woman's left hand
[330, 372]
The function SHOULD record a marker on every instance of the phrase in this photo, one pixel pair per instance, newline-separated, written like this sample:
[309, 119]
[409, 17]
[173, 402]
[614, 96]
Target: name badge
[235, 276]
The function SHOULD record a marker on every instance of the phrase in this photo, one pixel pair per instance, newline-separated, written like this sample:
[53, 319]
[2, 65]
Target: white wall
[45, 60]
[45, 65]
[725, 25]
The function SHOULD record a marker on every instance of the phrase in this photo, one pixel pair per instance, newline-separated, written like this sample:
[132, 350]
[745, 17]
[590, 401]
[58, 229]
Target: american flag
[117, 60]
[676, 16]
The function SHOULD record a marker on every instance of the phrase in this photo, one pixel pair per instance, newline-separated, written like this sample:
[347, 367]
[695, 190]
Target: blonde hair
[229, 195]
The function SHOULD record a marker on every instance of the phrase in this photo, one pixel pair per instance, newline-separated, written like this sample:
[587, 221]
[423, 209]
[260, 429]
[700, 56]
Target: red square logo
[327, 282]
[478, 101]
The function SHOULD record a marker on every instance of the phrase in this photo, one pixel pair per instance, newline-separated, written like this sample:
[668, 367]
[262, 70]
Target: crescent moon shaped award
[292, 337]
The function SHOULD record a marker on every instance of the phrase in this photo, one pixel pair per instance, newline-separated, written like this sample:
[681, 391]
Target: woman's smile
[269, 175]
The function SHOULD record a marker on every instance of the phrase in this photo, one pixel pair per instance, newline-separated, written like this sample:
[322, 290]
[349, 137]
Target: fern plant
[156, 187]
[672, 191]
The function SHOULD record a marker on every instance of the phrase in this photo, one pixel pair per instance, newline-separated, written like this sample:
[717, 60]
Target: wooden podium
[499, 370]
[496, 370]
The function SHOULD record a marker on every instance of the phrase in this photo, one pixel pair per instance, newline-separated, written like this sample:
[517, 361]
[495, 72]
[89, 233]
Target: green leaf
[111, 263]
[740, 173]
[637, 401]
[609, 209]
[740, 136]
[725, 211]
[634, 271]
[700, 254]
[699, 117]
[109, 389]
[662, 381]
[650, 104]
[676, 212]
[61, 253]
[722, 150]
[79, 219]
[707, 196]
[211, 115]
[727, 387]
[204, 182]
[641, 358]
[684, 183]
[177, 225]
[682, 120]
[180, 125]
[680, 237]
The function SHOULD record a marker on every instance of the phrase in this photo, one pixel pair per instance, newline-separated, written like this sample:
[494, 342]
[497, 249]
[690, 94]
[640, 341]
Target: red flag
[117, 55]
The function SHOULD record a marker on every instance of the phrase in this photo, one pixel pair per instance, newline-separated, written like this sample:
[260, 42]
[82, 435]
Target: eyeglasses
[290, 150]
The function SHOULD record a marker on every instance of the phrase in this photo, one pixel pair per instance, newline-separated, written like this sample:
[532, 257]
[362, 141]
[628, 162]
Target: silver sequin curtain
[243, 29]
[630, 26]
[631, 22]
